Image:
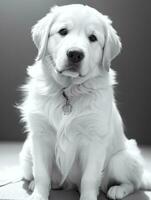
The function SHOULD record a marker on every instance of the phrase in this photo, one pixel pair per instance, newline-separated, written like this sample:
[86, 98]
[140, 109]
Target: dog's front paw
[36, 196]
[120, 191]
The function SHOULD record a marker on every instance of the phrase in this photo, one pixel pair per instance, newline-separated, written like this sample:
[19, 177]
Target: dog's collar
[84, 88]
[67, 108]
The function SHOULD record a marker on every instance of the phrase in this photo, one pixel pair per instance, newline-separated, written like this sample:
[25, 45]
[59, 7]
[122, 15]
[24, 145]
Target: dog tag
[67, 108]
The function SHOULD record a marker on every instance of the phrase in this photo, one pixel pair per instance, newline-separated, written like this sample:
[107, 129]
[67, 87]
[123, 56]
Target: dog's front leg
[92, 160]
[42, 167]
[42, 152]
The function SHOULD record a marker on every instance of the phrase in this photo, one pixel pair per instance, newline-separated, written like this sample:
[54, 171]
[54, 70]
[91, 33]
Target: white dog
[75, 132]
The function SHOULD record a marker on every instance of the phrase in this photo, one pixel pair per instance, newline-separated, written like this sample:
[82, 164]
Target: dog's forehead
[78, 13]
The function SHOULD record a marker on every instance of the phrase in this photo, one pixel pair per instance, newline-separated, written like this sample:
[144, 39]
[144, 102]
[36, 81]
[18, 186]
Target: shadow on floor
[16, 191]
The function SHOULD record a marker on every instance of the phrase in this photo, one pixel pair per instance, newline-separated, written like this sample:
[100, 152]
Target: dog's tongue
[70, 73]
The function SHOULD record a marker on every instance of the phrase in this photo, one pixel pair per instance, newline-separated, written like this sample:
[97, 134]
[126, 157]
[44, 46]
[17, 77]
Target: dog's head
[78, 41]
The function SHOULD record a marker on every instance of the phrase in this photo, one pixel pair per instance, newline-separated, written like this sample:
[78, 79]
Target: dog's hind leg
[125, 172]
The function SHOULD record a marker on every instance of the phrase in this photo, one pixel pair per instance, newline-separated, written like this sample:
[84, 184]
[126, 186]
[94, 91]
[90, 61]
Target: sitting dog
[75, 132]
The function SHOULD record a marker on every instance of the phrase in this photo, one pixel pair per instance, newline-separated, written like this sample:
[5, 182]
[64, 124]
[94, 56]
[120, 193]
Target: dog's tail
[146, 181]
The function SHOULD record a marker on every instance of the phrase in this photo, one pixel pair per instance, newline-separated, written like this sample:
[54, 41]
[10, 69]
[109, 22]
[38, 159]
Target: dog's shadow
[140, 195]
[74, 195]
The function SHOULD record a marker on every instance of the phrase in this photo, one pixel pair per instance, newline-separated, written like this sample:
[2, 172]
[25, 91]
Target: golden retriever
[75, 131]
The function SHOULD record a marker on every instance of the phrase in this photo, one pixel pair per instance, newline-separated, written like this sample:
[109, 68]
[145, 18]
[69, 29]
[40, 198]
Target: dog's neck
[89, 86]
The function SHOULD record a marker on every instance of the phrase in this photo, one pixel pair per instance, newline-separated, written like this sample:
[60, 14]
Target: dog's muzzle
[73, 65]
[75, 55]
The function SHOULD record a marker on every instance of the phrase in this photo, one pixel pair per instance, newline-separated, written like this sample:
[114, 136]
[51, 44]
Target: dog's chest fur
[61, 109]
[67, 125]
[89, 104]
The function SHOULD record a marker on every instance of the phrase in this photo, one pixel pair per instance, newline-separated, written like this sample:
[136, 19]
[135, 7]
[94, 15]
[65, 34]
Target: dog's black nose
[75, 55]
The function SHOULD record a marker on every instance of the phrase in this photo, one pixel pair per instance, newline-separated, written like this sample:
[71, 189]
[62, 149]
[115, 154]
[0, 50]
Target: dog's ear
[112, 46]
[41, 32]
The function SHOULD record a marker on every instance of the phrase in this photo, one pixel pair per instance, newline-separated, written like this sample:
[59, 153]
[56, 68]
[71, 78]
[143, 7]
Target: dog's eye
[63, 31]
[92, 38]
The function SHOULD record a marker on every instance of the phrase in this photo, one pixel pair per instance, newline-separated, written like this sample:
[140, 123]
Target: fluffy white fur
[87, 147]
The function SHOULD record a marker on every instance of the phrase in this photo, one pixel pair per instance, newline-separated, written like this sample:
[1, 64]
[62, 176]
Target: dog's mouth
[71, 71]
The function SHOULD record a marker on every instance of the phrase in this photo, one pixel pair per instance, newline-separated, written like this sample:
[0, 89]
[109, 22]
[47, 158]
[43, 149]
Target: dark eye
[63, 31]
[92, 38]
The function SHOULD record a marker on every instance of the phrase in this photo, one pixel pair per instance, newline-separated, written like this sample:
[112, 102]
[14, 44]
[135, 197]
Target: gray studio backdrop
[132, 19]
